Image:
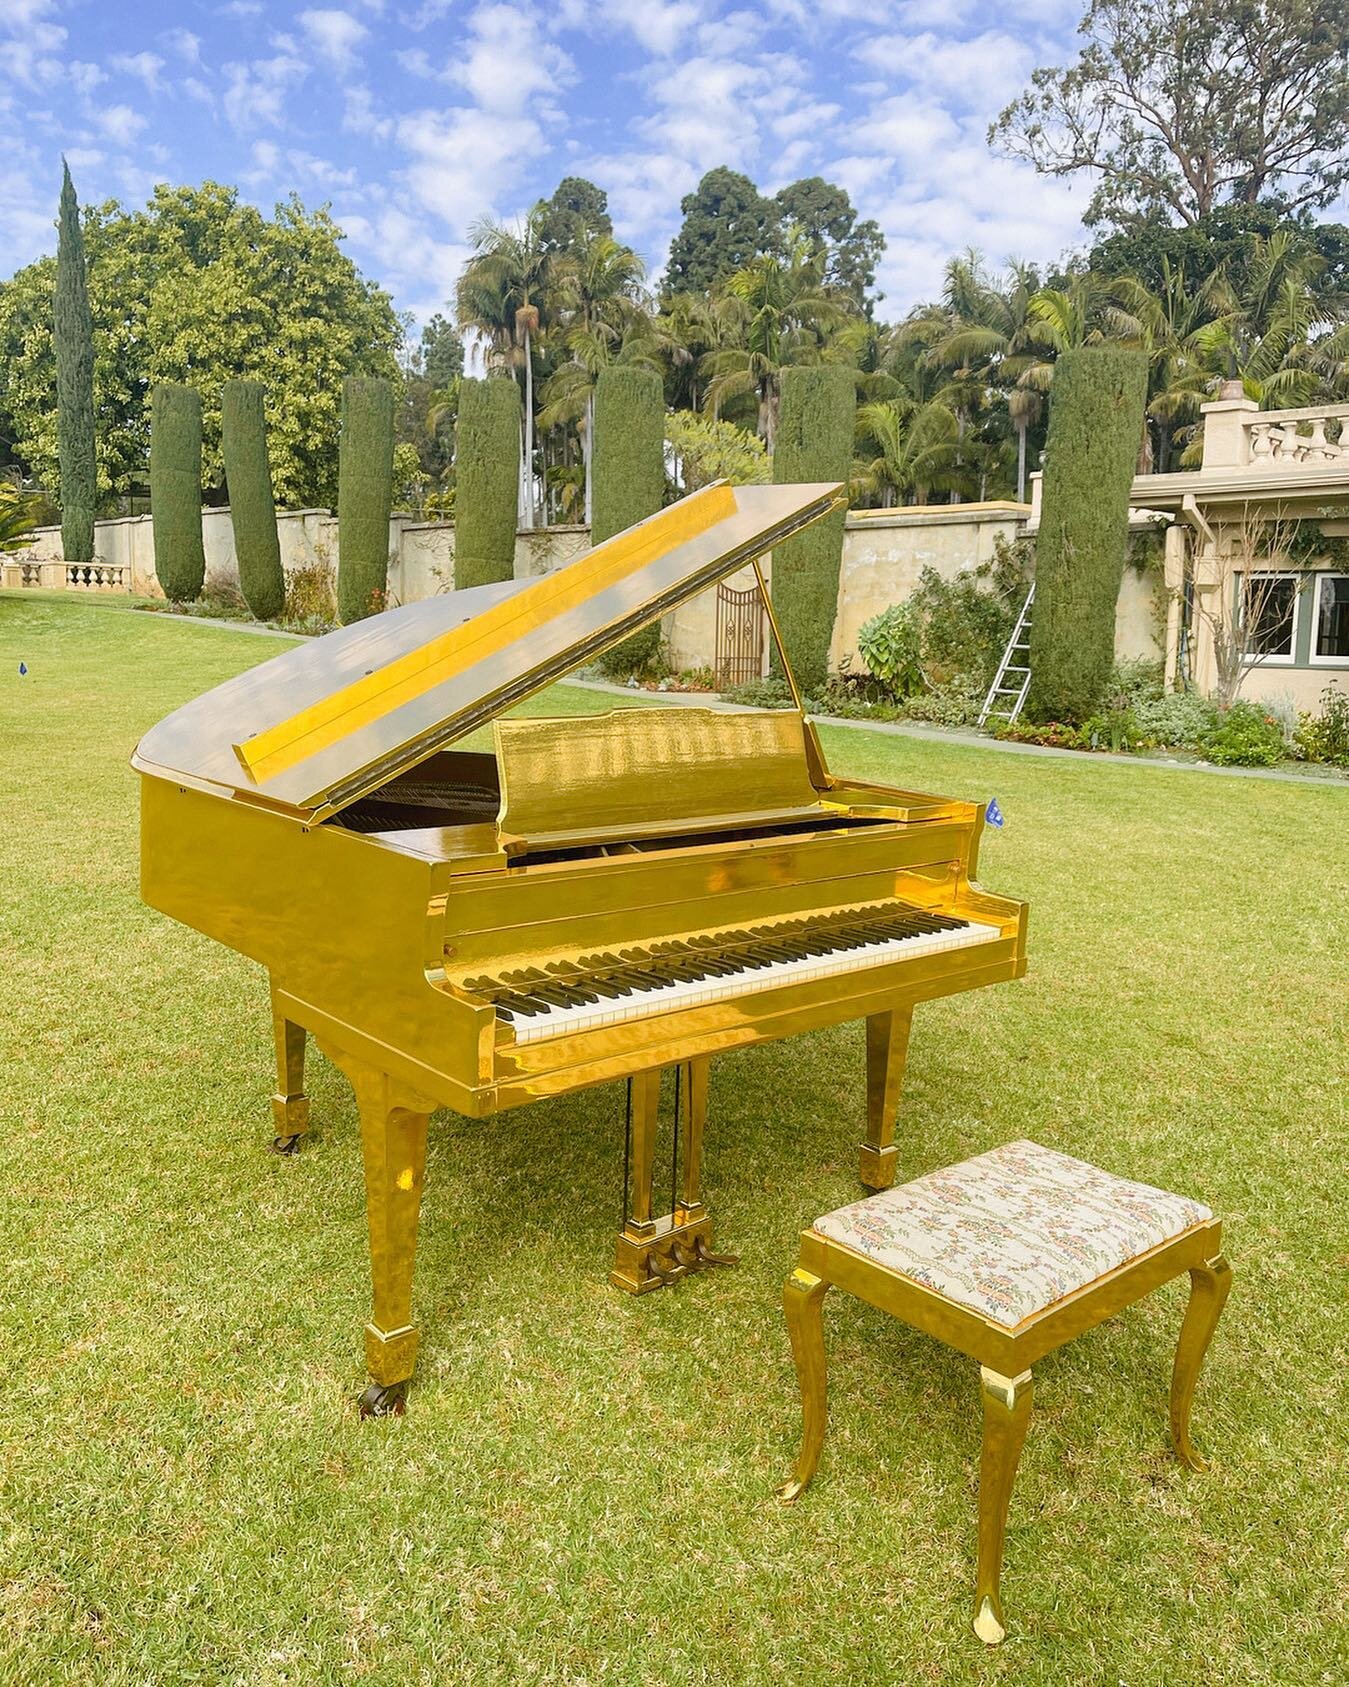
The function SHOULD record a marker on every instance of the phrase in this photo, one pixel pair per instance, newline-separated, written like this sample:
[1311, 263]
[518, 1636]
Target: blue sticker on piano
[993, 814]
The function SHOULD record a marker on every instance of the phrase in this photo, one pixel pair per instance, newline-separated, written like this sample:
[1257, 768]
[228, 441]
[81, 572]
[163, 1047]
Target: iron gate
[740, 636]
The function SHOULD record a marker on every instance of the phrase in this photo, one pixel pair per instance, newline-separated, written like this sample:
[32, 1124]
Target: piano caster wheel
[287, 1144]
[384, 1400]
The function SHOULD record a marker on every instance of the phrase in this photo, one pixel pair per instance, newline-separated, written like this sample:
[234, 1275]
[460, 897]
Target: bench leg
[1209, 1286]
[1006, 1414]
[803, 1301]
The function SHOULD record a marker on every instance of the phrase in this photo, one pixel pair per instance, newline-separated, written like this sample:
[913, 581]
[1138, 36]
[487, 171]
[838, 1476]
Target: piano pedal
[705, 1256]
[384, 1400]
[287, 1144]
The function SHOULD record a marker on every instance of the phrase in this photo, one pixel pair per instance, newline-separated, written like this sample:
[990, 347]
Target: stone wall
[884, 552]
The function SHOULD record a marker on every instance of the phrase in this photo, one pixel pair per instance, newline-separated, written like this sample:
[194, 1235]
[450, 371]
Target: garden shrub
[243, 440]
[891, 646]
[770, 693]
[1325, 737]
[1245, 736]
[364, 496]
[487, 481]
[175, 490]
[814, 443]
[1095, 422]
[1179, 718]
[627, 475]
[311, 596]
[73, 343]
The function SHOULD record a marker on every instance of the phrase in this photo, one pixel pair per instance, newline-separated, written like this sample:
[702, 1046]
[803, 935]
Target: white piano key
[683, 993]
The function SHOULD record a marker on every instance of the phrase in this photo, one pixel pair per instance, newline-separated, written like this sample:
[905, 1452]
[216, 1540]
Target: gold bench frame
[1005, 1356]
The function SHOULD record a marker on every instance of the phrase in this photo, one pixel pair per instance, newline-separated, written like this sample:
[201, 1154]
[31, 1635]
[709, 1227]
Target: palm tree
[599, 305]
[501, 295]
[989, 337]
[916, 449]
[784, 315]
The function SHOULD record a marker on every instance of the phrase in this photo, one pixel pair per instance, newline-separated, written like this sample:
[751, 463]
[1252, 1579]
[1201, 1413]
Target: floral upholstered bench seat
[1005, 1257]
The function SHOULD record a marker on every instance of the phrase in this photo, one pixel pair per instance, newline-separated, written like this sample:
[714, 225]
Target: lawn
[582, 1490]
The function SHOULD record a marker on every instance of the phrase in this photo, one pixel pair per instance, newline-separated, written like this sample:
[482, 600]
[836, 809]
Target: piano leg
[290, 1105]
[887, 1050]
[654, 1252]
[393, 1146]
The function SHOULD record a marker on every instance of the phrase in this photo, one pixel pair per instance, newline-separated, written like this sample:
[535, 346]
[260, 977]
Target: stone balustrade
[1239, 436]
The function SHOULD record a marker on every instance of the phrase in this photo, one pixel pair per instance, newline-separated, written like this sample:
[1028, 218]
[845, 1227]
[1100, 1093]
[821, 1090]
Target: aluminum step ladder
[1012, 680]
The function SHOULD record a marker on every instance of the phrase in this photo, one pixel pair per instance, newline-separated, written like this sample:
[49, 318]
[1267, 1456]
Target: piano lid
[321, 725]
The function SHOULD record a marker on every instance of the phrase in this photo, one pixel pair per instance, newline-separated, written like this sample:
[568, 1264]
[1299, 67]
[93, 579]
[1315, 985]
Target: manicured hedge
[175, 490]
[243, 440]
[1095, 424]
[73, 338]
[364, 496]
[486, 480]
[814, 442]
[627, 469]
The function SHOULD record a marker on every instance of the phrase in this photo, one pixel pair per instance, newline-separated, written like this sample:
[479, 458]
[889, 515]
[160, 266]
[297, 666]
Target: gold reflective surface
[308, 815]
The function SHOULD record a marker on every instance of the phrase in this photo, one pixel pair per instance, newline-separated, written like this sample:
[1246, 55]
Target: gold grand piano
[595, 898]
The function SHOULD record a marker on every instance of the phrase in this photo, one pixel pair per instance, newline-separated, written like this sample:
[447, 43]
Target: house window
[1330, 628]
[1269, 610]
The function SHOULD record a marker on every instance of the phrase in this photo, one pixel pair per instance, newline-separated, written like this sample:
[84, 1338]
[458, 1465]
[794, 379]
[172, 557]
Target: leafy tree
[727, 225]
[708, 450]
[828, 218]
[364, 496]
[257, 545]
[814, 443]
[73, 338]
[19, 512]
[429, 399]
[1181, 108]
[1155, 252]
[440, 354]
[486, 468]
[575, 215]
[1095, 418]
[200, 284]
[175, 490]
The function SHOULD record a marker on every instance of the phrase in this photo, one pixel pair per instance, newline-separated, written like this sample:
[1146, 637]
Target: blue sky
[414, 117]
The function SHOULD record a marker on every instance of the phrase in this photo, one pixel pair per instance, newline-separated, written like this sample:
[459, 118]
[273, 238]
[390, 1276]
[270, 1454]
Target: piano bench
[1006, 1257]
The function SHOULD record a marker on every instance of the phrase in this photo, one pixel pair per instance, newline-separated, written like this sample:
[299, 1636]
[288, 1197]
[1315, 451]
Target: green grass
[582, 1488]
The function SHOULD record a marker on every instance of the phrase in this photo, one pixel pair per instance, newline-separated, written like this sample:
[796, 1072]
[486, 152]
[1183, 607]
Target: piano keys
[590, 900]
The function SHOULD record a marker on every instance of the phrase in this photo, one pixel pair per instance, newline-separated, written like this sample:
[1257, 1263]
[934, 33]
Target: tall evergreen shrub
[175, 489]
[814, 442]
[627, 477]
[486, 481]
[364, 496]
[1095, 422]
[73, 336]
[243, 441]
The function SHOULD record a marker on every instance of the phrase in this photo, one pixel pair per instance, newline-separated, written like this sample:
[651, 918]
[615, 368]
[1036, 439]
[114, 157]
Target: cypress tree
[1095, 421]
[175, 489]
[243, 440]
[486, 481]
[627, 470]
[73, 336]
[364, 495]
[814, 442]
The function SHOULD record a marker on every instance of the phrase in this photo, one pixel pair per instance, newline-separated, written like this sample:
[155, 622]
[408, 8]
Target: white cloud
[358, 115]
[240, 9]
[463, 162]
[145, 65]
[120, 123]
[85, 77]
[980, 73]
[184, 43]
[506, 65]
[336, 34]
[256, 92]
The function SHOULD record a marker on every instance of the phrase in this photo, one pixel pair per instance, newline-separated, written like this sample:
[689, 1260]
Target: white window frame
[1323, 661]
[1260, 660]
